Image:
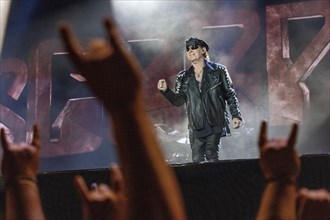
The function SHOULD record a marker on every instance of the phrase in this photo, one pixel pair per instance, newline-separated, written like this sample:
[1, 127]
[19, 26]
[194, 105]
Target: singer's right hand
[162, 85]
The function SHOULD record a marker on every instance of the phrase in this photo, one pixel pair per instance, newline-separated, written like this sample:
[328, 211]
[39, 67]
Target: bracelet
[27, 180]
[281, 179]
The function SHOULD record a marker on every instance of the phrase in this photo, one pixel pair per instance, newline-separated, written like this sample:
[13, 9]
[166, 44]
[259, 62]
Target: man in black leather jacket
[206, 88]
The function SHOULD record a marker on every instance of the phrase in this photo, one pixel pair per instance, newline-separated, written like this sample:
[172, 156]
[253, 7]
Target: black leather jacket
[216, 93]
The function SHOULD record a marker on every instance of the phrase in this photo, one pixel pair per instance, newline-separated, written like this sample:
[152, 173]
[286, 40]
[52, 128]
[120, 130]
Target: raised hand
[106, 65]
[278, 157]
[313, 204]
[20, 160]
[162, 85]
[20, 163]
[102, 202]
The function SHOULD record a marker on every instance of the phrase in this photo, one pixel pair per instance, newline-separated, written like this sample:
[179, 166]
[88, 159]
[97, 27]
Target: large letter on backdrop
[76, 134]
[288, 94]
[11, 120]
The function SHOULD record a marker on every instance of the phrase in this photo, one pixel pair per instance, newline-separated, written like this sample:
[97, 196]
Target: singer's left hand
[236, 123]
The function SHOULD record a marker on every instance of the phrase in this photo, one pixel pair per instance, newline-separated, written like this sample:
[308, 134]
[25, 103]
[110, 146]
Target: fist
[162, 85]
[236, 123]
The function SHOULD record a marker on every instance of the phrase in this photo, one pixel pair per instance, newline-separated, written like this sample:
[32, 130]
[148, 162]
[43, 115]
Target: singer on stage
[206, 88]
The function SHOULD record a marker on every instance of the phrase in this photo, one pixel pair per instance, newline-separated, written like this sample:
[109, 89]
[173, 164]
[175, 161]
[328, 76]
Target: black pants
[205, 148]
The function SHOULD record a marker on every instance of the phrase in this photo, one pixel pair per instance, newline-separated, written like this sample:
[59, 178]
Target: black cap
[195, 41]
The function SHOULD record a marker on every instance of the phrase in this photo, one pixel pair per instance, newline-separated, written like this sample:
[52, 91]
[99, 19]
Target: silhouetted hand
[20, 160]
[278, 157]
[313, 204]
[106, 65]
[102, 202]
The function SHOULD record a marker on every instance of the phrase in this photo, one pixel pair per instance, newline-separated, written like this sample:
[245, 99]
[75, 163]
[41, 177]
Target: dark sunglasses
[194, 47]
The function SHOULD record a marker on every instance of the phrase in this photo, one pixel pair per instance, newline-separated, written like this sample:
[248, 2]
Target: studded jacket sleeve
[230, 94]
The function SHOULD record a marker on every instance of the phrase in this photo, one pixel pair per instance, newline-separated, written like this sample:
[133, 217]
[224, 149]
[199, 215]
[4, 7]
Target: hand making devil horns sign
[117, 71]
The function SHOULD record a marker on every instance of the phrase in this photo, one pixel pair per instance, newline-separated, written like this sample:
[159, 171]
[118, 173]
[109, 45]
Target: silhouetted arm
[280, 165]
[115, 77]
[19, 167]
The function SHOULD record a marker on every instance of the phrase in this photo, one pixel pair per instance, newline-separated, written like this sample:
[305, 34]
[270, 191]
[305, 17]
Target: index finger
[262, 134]
[117, 179]
[4, 142]
[114, 36]
[36, 136]
[70, 43]
[293, 136]
[81, 186]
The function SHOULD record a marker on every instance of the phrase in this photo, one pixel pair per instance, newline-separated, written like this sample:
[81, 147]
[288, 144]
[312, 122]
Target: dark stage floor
[228, 189]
